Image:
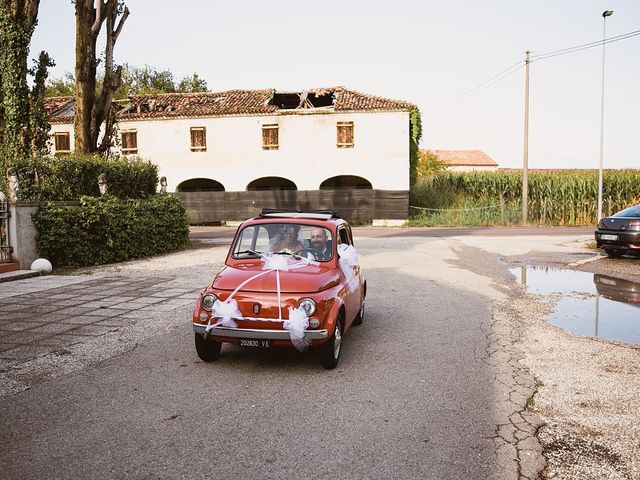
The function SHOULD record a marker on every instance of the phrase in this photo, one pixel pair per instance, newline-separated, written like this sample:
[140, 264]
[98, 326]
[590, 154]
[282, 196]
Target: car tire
[613, 253]
[330, 352]
[207, 350]
[360, 316]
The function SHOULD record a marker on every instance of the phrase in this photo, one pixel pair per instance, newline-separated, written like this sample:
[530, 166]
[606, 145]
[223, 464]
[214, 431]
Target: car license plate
[246, 342]
[608, 237]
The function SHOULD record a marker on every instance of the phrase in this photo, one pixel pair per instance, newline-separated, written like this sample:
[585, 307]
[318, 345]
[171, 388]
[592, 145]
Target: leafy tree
[61, 87]
[192, 84]
[137, 80]
[17, 22]
[91, 108]
[38, 119]
[429, 165]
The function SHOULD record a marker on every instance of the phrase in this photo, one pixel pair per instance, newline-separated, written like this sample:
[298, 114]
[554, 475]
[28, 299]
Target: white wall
[307, 155]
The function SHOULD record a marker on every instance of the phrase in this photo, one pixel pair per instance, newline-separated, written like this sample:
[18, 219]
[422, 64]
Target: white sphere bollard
[43, 265]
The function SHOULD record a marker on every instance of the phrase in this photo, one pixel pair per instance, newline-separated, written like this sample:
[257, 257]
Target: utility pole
[605, 14]
[525, 159]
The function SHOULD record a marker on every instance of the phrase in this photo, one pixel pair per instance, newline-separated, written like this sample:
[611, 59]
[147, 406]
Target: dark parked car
[619, 234]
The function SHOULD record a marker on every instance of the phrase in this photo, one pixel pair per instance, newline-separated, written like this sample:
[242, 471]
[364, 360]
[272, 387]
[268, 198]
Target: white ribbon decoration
[296, 325]
[348, 262]
[298, 320]
[226, 310]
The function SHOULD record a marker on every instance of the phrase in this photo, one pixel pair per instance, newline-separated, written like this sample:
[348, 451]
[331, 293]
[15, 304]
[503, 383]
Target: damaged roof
[60, 109]
[237, 102]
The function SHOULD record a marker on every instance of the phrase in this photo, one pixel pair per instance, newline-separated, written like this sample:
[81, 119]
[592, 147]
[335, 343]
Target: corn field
[563, 197]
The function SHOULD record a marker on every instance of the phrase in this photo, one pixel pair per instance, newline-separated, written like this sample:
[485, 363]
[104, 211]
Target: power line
[487, 83]
[541, 56]
[585, 46]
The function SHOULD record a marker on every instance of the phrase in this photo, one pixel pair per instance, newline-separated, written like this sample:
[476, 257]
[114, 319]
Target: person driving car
[318, 241]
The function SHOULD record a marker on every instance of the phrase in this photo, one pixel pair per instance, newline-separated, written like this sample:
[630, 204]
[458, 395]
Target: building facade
[243, 140]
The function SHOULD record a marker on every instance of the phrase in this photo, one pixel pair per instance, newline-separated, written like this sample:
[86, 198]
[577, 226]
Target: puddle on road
[588, 304]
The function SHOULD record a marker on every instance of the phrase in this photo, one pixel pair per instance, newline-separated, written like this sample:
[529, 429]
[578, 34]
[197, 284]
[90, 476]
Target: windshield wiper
[284, 252]
[252, 252]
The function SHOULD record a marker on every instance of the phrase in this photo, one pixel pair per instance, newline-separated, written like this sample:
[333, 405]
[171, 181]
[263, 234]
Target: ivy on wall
[17, 23]
[415, 122]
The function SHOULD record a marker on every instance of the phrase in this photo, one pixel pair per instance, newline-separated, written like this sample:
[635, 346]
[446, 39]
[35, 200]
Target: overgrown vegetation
[17, 23]
[429, 165]
[69, 177]
[415, 134]
[105, 230]
[566, 197]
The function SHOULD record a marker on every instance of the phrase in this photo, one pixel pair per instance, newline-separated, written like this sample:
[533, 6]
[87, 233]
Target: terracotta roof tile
[235, 102]
[469, 158]
[60, 109]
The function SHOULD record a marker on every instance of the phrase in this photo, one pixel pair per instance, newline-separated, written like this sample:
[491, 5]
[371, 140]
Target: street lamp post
[605, 14]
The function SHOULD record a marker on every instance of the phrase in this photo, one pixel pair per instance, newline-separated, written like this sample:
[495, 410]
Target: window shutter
[345, 135]
[270, 136]
[62, 142]
[198, 139]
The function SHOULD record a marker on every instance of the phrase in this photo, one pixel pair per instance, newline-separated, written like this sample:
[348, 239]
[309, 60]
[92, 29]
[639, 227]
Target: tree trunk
[92, 108]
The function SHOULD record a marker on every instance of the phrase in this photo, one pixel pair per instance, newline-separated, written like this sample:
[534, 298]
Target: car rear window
[629, 212]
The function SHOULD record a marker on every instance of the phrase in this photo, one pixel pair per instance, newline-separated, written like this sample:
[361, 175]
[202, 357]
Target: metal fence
[5, 249]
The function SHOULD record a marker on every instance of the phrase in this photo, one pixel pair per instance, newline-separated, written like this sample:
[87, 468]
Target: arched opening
[345, 181]
[271, 183]
[200, 185]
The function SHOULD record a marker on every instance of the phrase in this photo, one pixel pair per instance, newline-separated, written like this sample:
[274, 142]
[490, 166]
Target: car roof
[312, 214]
[313, 217]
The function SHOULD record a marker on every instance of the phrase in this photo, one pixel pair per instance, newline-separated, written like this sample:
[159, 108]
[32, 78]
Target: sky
[425, 52]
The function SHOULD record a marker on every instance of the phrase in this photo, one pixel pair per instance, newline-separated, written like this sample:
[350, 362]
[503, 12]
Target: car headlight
[208, 300]
[308, 305]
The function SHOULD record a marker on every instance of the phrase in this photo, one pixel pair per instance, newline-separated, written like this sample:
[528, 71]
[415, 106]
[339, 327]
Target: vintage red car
[291, 278]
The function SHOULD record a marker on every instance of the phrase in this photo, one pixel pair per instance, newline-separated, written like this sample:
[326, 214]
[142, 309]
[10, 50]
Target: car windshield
[284, 239]
[629, 212]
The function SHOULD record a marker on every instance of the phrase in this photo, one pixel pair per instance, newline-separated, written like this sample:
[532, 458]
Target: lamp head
[607, 13]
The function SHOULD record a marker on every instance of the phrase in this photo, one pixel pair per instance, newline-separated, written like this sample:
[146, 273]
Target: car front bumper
[629, 240]
[266, 334]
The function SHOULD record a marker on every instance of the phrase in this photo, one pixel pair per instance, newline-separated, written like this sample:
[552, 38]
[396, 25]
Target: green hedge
[71, 176]
[563, 197]
[106, 230]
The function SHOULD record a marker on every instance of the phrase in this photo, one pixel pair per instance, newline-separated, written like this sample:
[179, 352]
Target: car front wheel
[331, 349]
[207, 350]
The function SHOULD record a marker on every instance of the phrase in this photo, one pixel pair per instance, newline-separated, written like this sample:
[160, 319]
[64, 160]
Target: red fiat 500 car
[291, 278]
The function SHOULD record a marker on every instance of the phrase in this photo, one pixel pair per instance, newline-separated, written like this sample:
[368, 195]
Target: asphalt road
[410, 399]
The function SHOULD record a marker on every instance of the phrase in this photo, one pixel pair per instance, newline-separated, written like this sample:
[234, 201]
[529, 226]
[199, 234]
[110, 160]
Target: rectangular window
[198, 139]
[62, 142]
[270, 136]
[129, 142]
[345, 135]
